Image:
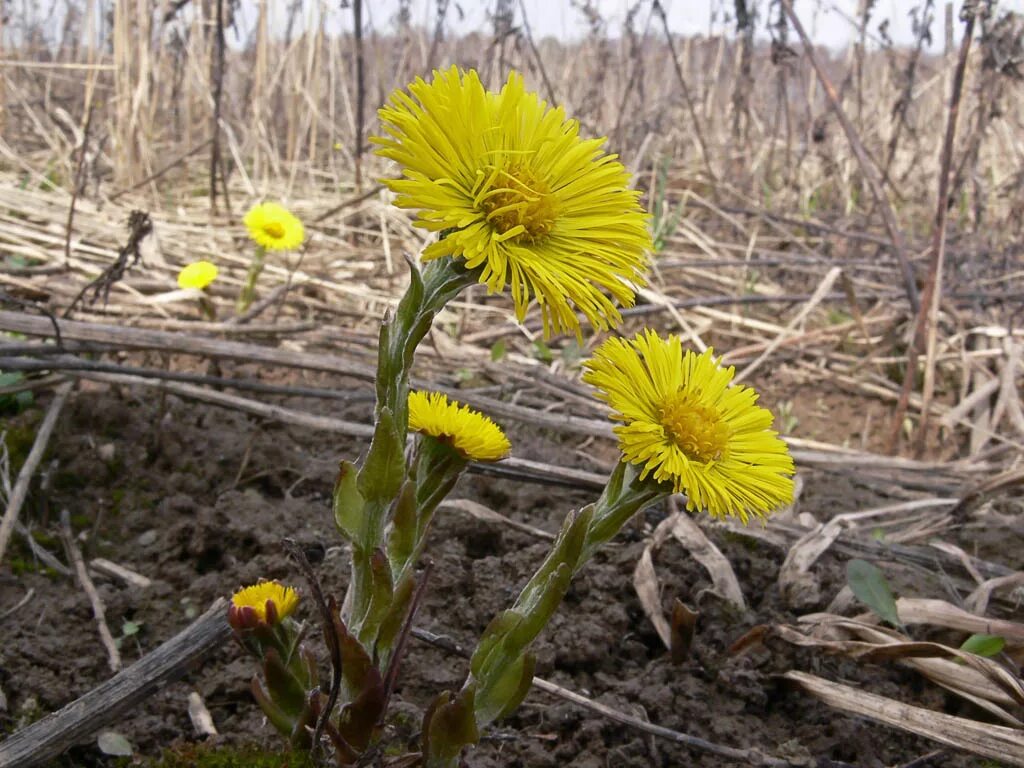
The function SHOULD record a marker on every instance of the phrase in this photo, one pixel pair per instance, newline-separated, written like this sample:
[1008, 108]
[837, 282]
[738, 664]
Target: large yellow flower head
[264, 603]
[516, 191]
[687, 424]
[274, 227]
[470, 433]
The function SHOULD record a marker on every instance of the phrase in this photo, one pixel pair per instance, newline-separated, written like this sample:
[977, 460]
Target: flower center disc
[274, 228]
[696, 429]
[517, 202]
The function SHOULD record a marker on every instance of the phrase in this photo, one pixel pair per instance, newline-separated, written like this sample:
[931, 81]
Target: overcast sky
[830, 21]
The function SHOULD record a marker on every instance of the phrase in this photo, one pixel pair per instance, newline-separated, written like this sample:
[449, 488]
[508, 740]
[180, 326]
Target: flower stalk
[501, 668]
[248, 293]
[273, 228]
[260, 618]
[369, 500]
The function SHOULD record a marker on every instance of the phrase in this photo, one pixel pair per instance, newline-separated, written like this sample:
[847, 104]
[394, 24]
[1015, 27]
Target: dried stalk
[357, 30]
[85, 582]
[927, 313]
[698, 131]
[866, 164]
[217, 78]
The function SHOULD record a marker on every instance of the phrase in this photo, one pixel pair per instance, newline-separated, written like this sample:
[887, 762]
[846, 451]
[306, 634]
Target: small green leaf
[449, 725]
[983, 645]
[285, 689]
[129, 628]
[538, 611]
[542, 351]
[16, 402]
[871, 587]
[498, 350]
[189, 607]
[384, 469]
[113, 743]
[494, 633]
[348, 502]
[382, 595]
[402, 537]
[505, 691]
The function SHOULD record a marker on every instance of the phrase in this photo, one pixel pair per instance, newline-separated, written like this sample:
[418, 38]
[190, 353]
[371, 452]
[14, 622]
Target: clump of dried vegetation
[847, 221]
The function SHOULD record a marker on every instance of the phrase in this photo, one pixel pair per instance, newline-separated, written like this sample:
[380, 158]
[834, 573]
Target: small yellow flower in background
[198, 274]
[472, 434]
[274, 227]
[518, 192]
[264, 603]
[688, 425]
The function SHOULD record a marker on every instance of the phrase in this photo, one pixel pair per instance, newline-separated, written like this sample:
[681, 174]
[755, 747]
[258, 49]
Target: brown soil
[199, 499]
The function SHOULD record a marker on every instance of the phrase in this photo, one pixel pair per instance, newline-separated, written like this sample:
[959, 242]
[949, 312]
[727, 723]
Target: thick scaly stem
[384, 470]
[501, 669]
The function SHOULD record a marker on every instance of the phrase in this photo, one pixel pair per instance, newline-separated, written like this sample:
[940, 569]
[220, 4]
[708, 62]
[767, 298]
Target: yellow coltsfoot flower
[198, 274]
[264, 603]
[274, 227]
[474, 436]
[516, 191]
[686, 424]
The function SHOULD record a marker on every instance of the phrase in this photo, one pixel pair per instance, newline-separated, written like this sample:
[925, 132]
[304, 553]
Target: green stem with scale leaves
[248, 292]
[363, 500]
[501, 669]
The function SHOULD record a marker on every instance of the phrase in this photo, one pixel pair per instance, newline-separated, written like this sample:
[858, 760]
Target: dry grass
[290, 106]
[760, 204]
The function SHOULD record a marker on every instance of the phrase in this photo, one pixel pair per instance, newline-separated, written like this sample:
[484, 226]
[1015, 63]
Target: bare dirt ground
[199, 499]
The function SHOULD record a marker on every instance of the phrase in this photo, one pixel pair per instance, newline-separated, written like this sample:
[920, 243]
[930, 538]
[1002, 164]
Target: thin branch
[698, 132]
[927, 316]
[85, 582]
[138, 338]
[357, 28]
[140, 226]
[395, 662]
[528, 34]
[349, 202]
[79, 183]
[217, 76]
[72, 363]
[157, 174]
[328, 612]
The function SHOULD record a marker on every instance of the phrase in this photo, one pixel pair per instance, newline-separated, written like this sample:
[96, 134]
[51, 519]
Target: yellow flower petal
[198, 274]
[274, 227]
[469, 432]
[517, 193]
[284, 599]
[685, 423]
